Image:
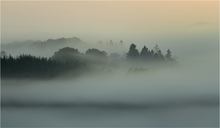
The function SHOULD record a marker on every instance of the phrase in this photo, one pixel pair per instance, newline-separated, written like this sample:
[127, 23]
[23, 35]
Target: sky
[105, 20]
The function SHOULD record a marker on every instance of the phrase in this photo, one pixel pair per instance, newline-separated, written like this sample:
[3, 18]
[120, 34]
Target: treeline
[27, 66]
[150, 55]
[65, 61]
[69, 60]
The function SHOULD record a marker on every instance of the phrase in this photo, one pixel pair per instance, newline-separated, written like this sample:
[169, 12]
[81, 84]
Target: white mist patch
[185, 95]
[163, 85]
[171, 97]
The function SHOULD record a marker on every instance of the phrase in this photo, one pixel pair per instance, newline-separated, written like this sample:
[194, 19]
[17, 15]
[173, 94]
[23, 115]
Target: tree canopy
[133, 52]
[70, 59]
[96, 52]
[147, 54]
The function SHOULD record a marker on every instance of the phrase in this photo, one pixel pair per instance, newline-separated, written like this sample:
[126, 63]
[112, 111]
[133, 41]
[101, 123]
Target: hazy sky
[107, 20]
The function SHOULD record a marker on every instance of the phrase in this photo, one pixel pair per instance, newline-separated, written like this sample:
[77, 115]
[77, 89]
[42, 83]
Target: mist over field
[183, 94]
[110, 64]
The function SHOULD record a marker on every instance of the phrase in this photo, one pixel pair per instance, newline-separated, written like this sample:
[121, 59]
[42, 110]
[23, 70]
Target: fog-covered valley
[128, 94]
[110, 64]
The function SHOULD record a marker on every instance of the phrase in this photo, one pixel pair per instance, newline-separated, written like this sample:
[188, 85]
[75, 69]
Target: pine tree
[133, 52]
[168, 55]
[160, 55]
[144, 52]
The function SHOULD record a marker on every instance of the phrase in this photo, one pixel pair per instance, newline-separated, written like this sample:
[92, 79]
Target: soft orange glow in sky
[52, 19]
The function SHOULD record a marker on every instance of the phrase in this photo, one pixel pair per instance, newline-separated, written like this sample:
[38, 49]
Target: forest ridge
[70, 60]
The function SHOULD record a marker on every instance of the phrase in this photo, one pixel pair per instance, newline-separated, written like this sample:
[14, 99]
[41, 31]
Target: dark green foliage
[157, 56]
[146, 54]
[151, 54]
[67, 51]
[133, 52]
[66, 60]
[27, 66]
[71, 60]
[160, 55]
[67, 54]
[96, 52]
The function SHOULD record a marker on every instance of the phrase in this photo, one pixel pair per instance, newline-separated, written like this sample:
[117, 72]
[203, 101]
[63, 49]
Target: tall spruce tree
[133, 52]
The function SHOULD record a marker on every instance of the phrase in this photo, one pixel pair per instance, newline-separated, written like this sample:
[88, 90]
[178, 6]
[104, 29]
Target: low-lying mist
[122, 94]
[194, 84]
[193, 79]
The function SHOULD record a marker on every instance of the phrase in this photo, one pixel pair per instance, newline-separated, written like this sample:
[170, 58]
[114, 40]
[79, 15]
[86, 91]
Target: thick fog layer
[160, 86]
[183, 94]
[110, 64]
[195, 77]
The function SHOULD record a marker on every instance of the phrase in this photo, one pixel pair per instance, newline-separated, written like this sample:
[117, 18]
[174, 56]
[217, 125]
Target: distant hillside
[59, 41]
[42, 48]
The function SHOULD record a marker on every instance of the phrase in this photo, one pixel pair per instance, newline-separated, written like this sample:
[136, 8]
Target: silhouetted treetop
[169, 55]
[96, 52]
[68, 50]
[27, 66]
[133, 52]
[146, 54]
[160, 55]
[66, 54]
[70, 59]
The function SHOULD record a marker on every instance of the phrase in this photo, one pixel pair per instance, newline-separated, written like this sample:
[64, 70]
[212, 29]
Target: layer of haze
[152, 21]
[184, 95]
[190, 29]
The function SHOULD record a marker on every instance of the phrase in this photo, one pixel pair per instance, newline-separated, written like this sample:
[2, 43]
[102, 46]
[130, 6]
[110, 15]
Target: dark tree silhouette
[66, 54]
[157, 56]
[144, 52]
[29, 66]
[67, 51]
[151, 54]
[70, 59]
[169, 55]
[96, 52]
[160, 55]
[133, 52]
